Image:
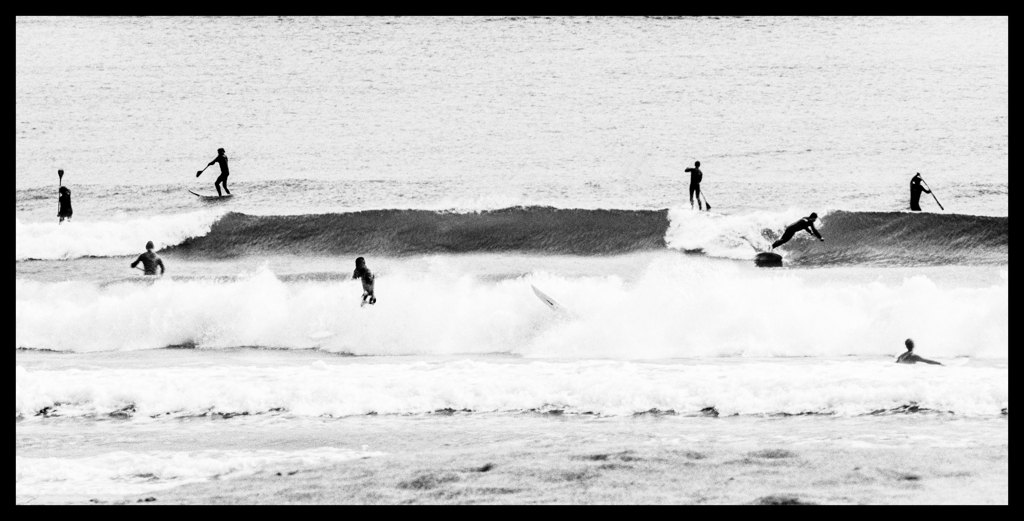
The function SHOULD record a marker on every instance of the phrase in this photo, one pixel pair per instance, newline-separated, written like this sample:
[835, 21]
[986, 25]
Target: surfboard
[210, 196]
[767, 259]
[555, 306]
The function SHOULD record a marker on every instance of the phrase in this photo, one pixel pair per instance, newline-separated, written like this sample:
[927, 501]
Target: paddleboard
[210, 196]
[768, 259]
[555, 306]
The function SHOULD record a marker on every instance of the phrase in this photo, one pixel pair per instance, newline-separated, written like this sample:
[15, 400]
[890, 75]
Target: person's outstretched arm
[814, 231]
[137, 261]
[927, 361]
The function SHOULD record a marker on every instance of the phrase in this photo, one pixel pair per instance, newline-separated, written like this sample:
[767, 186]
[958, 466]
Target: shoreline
[560, 459]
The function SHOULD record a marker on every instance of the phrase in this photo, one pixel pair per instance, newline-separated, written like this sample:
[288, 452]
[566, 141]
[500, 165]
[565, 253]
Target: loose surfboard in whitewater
[210, 197]
[555, 306]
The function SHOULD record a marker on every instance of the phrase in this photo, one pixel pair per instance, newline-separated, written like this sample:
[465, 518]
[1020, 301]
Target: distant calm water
[337, 114]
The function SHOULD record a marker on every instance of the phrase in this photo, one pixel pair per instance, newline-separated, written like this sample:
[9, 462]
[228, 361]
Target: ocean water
[468, 160]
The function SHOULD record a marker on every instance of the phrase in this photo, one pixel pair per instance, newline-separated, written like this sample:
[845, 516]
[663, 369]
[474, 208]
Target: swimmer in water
[910, 358]
[363, 273]
[149, 261]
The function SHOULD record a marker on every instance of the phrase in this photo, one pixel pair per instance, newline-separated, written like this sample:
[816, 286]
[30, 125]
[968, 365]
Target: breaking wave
[852, 238]
[689, 307]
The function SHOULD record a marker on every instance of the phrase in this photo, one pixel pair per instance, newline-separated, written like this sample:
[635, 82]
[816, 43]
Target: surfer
[805, 223]
[910, 358]
[695, 177]
[150, 261]
[64, 203]
[223, 179]
[364, 273]
[915, 192]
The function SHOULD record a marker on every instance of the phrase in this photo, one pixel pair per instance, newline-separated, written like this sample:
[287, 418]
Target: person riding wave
[806, 223]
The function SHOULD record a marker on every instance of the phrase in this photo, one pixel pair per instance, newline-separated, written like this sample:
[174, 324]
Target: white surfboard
[555, 306]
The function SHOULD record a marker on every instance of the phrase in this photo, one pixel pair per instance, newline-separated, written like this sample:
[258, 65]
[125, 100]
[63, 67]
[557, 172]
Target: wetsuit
[223, 179]
[915, 193]
[149, 262]
[366, 275]
[695, 177]
[64, 204]
[802, 224]
[910, 358]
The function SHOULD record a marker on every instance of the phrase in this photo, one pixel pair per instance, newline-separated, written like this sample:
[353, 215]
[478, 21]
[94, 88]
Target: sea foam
[676, 307]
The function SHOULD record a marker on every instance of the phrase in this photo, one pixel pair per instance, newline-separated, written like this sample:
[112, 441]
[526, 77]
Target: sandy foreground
[550, 458]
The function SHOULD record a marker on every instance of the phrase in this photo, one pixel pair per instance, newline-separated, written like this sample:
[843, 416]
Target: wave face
[51, 241]
[905, 238]
[851, 238]
[405, 232]
[676, 308]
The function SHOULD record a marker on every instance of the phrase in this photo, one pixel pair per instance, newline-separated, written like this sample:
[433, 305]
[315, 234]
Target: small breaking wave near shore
[611, 388]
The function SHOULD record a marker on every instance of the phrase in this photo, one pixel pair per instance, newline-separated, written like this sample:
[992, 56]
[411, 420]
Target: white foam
[135, 473]
[353, 387]
[124, 236]
[729, 236]
[675, 308]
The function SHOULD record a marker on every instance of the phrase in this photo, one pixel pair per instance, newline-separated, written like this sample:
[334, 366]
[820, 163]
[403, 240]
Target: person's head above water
[696, 164]
[813, 216]
[360, 263]
[220, 150]
[910, 344]
[149, 245]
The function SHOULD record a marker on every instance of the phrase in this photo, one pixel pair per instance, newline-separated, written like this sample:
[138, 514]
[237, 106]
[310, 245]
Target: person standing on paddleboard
[695, 178]
[222, 159]
[910, 358]
[150, 261]
[63, 201]
[364, 273]
[915, 192]
[806, 223]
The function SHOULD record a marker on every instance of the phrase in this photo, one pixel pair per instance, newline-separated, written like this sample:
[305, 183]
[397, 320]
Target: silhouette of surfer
[910, 358]
[805, 223]
[695, 178]
[363, 273]
[222, 159]
[64, 203]
[149, 261]
[915, 192]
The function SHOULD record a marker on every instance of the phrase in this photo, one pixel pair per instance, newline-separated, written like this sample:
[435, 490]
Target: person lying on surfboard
[910, 358]
[806, 223]
[149, 261]
[364, 273]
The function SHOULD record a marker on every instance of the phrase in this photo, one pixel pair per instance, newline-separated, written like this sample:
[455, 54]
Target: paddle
[706, 203]
[201, 171]
[931, 192]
